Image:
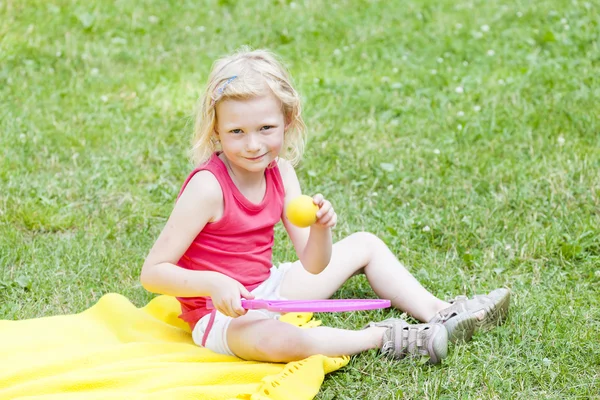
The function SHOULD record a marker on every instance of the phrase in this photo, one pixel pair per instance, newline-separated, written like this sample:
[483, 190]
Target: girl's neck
[242, 178]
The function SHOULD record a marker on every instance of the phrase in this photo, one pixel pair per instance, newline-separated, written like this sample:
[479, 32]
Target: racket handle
[209, 304]
[255, 304]
[246, 304]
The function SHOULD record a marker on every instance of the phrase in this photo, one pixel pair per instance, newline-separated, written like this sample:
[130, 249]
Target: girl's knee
[368, 240]
[285, 345]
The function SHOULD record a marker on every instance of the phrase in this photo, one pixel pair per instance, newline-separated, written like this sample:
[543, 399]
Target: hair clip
[222, 89]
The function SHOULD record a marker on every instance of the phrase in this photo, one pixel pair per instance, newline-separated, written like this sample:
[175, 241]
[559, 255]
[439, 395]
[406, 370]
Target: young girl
[218, 240]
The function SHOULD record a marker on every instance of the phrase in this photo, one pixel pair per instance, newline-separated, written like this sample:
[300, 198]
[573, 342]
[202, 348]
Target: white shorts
[217, 336]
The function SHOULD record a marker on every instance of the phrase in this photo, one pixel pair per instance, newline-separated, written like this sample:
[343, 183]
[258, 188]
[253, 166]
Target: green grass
[496, 184]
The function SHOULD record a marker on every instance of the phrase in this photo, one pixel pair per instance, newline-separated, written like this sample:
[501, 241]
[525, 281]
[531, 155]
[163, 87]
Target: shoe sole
[461, 328]
[438, 345]
[496, 312]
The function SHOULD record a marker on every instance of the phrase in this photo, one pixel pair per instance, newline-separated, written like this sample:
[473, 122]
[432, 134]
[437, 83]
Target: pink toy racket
[310, 305]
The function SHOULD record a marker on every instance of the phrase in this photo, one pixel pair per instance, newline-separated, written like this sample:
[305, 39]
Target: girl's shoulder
[287, 173]
[204, 177]
[200, 200]
[203, 185]
[285, 166]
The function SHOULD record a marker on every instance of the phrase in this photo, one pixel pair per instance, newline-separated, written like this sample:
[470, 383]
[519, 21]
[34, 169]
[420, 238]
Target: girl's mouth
[256, 158]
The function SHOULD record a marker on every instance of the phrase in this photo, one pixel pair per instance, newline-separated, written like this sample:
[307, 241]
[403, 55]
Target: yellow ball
[301, 211]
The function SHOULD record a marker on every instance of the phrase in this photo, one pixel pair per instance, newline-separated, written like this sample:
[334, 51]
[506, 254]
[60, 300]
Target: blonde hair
[242, 76]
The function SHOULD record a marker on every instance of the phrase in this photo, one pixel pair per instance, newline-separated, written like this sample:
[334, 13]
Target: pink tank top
[240, 243]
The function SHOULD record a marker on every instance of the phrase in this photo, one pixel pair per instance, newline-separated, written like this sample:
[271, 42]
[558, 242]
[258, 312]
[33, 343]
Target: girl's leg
[258, 338]
[364, 253]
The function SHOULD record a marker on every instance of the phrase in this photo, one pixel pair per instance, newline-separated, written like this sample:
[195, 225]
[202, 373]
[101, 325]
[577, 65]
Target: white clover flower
[563, 21]
[459, 89]
[337, 52]
[519, 14]
[58, 53]
[395, 70]
[104, 98]
[433, 71]
[561, 140]
[460, 114]
[458, 26]
[459, 127]
[465, 63]
[440, 60]
[491, 52]
[477, 108]
[201, 28]
[500, 81]
[485, 28]
[436, 151]
[426, 228]
[94, 71]
[153, 19]
[566, 27]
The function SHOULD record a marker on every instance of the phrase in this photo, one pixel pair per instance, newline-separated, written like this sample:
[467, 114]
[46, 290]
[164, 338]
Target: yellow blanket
[116, 351]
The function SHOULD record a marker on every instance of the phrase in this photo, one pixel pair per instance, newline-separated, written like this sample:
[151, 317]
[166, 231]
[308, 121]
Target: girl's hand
[227, 296]
[326, 216]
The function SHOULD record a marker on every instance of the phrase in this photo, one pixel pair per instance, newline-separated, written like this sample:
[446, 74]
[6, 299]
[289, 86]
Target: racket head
[329, 305]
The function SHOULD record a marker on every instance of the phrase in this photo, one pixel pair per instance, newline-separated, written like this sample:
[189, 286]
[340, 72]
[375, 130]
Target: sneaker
[402, 339]
[488, 311]
[460, 326]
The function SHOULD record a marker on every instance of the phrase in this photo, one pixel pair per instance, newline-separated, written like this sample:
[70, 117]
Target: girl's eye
[266, 127]
[236, 131]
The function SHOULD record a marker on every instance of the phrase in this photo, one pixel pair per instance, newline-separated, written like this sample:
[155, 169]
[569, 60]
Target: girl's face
[251, 131]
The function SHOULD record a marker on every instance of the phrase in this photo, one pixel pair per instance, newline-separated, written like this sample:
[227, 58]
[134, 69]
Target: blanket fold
[114, 350]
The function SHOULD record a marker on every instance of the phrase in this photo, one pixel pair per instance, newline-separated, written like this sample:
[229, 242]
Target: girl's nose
[252, 142]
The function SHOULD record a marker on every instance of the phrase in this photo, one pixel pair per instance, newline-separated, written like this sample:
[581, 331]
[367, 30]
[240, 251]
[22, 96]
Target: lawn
[466, 134]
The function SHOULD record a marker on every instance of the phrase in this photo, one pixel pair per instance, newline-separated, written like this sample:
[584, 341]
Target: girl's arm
[313, 244]
[201, 202]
